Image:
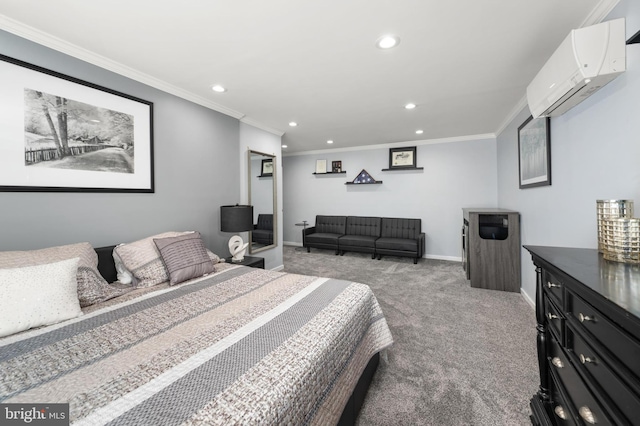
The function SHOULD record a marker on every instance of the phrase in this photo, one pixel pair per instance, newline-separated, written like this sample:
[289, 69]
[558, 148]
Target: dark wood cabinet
[588, 323]
[491, 248]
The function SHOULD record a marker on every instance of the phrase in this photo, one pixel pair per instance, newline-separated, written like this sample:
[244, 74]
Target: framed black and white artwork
[59, 133]
[534, 152]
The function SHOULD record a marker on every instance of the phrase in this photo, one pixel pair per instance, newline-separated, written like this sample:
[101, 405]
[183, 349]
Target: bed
[239, 345]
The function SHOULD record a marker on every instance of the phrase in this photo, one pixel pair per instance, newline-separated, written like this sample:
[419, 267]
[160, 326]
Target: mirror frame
[273, 177]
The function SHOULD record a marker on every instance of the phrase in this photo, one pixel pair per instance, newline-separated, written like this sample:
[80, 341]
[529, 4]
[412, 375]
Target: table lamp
[236, 219]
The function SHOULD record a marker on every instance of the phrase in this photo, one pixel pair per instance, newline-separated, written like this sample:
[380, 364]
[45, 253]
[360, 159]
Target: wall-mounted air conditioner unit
[586, 60]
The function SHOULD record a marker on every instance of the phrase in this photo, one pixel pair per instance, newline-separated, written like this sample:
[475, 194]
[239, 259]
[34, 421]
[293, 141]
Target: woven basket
[611, 209]
[620, 240]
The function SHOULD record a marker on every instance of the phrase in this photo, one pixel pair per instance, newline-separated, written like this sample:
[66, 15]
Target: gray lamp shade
[236, 218]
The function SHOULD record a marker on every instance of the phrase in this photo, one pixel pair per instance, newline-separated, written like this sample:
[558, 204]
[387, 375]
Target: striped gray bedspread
[242, 346]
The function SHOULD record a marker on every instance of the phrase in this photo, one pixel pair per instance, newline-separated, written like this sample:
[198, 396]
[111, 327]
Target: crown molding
[597, 15]
[483, 136]
[252, 122]
[522, 103]
[55, 43]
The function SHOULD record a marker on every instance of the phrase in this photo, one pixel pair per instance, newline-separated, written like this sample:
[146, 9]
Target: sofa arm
[310, 230]
[421, 244]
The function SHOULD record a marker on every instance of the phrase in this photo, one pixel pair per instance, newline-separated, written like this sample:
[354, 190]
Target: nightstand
[252, 261]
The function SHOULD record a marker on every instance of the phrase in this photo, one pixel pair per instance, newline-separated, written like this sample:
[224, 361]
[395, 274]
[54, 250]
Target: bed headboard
[106, 265]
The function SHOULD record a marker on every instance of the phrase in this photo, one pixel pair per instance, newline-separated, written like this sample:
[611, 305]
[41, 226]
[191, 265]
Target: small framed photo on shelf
[321, 166]
[336, 166]
[402, 158]
[267, 167]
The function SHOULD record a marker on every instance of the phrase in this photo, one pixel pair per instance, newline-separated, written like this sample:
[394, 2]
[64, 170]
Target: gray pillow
[185, 257]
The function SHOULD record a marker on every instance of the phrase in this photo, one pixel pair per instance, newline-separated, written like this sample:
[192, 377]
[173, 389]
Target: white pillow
[38, 295]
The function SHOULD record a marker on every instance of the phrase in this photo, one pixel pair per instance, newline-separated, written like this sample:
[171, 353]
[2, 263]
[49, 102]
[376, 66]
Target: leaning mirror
[262, 196]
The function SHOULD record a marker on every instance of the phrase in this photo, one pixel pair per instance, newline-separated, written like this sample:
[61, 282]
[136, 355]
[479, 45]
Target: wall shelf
[368, 183]
[402, 168]
[330, 173]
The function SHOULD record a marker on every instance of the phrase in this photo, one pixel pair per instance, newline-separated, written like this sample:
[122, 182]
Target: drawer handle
[551, 285]
[586, 359]
[551, 316]
[560, 412]
[557, 362]
[584, 318]
[587, 415]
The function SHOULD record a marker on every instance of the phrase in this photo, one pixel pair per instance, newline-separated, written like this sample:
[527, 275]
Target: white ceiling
[465, 63]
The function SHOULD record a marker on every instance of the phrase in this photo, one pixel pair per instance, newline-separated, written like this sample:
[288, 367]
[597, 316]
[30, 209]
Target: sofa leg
[337, 252]
[373, 255]
[379, 256]
[415, 260]
[308, 249]
[342, 252]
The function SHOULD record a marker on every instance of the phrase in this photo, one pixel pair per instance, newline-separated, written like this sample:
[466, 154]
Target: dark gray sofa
[262, 232]
[379, 236]
[360, 235]
[325, 234]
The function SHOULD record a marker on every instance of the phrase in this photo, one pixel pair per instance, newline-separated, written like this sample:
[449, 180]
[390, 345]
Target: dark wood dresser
[588, 322]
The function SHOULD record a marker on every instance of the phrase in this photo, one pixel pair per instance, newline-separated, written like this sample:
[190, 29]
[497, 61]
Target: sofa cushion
[331, 224]
[265, 222]
[400, 228]
[322, 238]
[400, 244]
[357, 241]
[357, 225]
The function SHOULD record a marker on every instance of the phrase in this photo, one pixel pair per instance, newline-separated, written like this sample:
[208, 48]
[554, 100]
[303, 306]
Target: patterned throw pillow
[142, 260]
[185, 257]
[92, 287]
[38, 295]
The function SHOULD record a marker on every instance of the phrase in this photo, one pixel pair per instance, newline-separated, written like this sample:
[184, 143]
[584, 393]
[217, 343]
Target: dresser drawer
[580, 400]
[555, 319]
[560, 408]
[589, 319]
[553, 287]
[595, 367]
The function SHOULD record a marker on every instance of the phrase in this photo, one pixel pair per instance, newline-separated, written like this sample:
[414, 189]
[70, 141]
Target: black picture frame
[534, 152]
[267, 167]
[402, 158]
[336, 167]
[64, 134]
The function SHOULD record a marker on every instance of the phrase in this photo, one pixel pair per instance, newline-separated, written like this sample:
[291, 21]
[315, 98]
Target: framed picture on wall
[336, 166]
[534, 152]
[321, 166]
[63, 134]
[267, 167]
[402, 158]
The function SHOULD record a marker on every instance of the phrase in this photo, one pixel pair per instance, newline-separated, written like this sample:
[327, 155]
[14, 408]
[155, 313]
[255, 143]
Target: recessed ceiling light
[329, 141]
[419, 132]
[387, 41]
[284, 146]
[218, 88]
[293, 124]
[410, 106]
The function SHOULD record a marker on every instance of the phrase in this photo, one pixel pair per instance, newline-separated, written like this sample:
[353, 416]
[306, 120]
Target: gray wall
[196, 149]
[456, 175]
[594, 155]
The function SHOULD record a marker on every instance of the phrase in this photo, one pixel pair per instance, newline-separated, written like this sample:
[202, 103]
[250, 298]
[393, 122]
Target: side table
[252, 261]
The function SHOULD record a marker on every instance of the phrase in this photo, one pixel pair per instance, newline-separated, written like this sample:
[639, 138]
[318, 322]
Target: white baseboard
[437, 257]
[527, 299]
[278, 268]
[291, 243]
